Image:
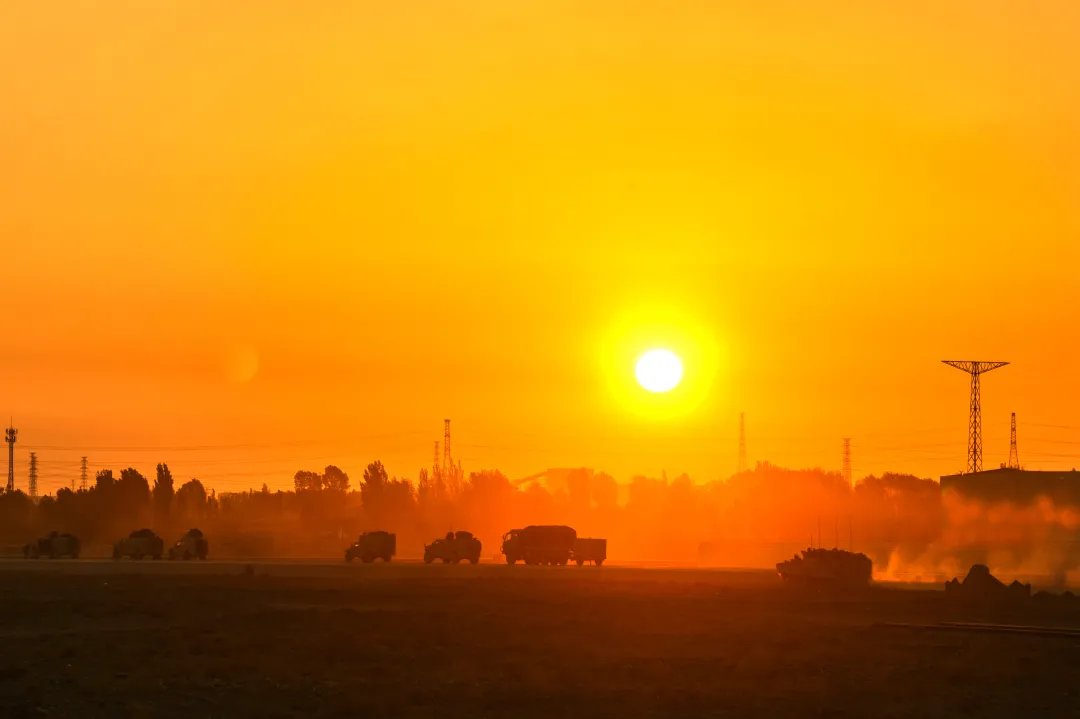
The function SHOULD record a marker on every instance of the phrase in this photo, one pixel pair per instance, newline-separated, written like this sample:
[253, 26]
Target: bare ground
[104, 639]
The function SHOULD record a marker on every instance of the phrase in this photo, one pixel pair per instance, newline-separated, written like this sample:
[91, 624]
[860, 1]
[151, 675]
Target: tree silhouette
[305, 481]
[191, 499]
[163, 492]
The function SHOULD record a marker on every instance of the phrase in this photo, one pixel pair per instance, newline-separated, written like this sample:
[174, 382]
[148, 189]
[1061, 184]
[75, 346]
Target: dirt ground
[219, 639]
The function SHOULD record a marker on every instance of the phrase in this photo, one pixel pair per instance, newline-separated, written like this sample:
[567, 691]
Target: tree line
[754, 518]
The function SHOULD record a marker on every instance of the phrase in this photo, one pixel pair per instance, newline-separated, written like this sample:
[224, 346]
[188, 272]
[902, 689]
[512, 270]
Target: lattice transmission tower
[10, 436]
[742, 443]
[33, 475]
[1014, 456]
[82, 475]
[975, 368]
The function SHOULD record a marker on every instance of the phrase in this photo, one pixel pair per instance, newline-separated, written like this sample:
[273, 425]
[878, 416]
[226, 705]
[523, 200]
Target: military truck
[52, 546]
[827, 567]
[192, 545]
[587, 549]
[370, 546]
[454, 547]
[140, 543]
[539, 544]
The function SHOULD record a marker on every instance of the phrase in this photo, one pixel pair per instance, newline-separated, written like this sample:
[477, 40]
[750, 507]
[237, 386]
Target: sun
[659, 370]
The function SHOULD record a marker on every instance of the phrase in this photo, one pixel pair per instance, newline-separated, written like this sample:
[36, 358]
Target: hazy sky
[250, 237]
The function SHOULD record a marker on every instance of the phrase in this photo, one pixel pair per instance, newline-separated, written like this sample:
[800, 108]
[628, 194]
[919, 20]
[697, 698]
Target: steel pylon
[975, 368]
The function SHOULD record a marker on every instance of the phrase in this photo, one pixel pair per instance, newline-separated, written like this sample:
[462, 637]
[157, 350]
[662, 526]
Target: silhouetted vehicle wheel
[510, 560]
[348, 557]
[428, 560]
[455, 560]
[367, 560]
[599, 562]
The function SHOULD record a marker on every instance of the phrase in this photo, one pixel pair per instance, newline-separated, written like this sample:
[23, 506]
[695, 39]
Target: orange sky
[250, 237]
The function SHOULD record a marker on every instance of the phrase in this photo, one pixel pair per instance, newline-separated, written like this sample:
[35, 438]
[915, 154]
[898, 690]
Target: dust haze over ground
[911, 529]
[106, 639]
[1039, 540]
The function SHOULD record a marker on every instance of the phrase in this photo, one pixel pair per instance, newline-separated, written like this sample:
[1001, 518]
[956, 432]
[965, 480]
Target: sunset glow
[307, 236]
[659, 370]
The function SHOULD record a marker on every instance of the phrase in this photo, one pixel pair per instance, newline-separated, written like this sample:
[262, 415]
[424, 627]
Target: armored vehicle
[454, 547]
[370, 546]
[590, 550]
[52, 546]
[819, 566]
[192, 545]
[539, 544]
[140, 543]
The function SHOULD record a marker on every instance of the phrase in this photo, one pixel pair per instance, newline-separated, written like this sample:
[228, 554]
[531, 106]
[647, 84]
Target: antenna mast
[975, 368]
[448, 463]
[10, 436]
[845, 463]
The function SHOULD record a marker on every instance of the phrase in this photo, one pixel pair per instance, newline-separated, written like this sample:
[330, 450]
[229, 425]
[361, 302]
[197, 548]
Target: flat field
[294, 639]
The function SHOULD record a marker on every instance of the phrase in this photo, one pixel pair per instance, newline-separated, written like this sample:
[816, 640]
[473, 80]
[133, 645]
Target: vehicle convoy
[53, 545]
[454, 547]
[370, 546]
[192, 545]
[140, 543]
[587, 549]
[821, 567]
[552, 544]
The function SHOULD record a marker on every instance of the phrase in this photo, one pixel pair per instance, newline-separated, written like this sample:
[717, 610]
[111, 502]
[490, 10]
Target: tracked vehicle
[827, 567]
[53, 545]
[453, 548]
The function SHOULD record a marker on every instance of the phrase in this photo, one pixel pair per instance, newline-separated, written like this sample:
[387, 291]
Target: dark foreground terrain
[103, 639]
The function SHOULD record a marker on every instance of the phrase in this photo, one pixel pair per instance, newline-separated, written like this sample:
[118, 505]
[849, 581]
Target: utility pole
[845, 463]
[1014, 456]
[742, 443]
[82, 475]
[10, 436]
[33, 475]
[975, 368]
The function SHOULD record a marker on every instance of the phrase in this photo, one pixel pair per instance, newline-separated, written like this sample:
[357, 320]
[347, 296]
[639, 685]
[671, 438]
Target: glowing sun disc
[659, 370]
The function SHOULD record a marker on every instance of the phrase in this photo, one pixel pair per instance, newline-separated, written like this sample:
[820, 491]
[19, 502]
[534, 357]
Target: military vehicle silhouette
[53, 545]
[817, 566]
[453, 548]
[370, 546]
[192, 545]
[539, 544]
[140, 543]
